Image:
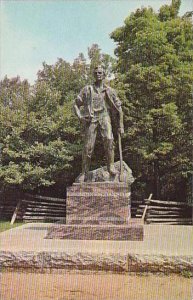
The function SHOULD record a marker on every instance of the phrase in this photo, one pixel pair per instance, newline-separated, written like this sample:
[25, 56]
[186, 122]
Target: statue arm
[77, 104]
[77, 110]
[80, 102]
[117, 103]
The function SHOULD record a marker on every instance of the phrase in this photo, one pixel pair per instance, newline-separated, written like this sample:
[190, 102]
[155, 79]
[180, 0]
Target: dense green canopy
[40, 135]
[155, 75]
[41, 139]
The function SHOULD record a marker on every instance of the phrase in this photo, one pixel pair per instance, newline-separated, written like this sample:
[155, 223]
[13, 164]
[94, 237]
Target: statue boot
[111, 169]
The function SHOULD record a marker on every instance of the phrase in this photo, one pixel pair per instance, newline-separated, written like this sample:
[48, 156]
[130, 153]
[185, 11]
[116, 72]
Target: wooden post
[121, 158]
[15, 212]
[146, 207]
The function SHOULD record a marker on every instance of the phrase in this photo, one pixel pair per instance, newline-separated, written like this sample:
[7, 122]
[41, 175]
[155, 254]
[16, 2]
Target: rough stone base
[133, 232]
[43, 261]
[49, 261]
[141, 263]
[102, 175]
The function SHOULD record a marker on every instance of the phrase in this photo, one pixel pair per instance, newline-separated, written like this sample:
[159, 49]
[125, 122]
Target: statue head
[99, 73]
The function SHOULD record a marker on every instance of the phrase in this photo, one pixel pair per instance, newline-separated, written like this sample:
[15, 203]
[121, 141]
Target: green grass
[5, 225]
[187, 274]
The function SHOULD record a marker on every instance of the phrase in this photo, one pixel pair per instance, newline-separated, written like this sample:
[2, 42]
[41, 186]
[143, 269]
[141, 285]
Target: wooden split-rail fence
[37, 208]
[32, 208]
[8, 202]
[165, 212]
[41, 208]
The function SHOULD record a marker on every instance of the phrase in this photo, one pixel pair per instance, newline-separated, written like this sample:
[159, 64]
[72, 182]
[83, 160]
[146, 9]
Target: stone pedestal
[131, 232]
[98, 203]
[99, 209]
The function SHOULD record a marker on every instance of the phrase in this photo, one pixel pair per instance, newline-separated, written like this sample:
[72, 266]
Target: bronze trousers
[101, 122]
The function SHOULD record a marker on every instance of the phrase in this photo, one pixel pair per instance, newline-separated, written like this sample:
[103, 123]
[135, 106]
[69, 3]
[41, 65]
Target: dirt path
[93, 286]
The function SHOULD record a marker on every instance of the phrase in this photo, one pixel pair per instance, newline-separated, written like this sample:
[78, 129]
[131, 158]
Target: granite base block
[98, 203]
[96, 232]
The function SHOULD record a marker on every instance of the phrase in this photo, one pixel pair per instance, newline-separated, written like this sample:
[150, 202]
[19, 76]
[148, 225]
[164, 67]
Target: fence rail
[37, 208]
[166, 212]
[31, 208]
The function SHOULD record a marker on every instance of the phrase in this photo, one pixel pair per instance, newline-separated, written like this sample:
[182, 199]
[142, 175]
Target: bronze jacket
[85, 97]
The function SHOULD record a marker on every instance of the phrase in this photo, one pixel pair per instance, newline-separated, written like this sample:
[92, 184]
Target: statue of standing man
[101, 108]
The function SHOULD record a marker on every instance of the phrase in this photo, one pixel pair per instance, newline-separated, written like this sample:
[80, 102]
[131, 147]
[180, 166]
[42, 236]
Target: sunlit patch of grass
[5, 225]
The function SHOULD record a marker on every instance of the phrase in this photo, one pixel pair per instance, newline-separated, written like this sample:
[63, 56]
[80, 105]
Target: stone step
[132, 232]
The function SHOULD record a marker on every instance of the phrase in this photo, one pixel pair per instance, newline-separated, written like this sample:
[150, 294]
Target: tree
[155, 73]
[32, 151]
[97, 57]
[40, 136]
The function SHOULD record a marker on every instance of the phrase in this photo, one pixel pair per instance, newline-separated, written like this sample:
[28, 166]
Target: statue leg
[107, 134]
[109, 145]
[89, 142]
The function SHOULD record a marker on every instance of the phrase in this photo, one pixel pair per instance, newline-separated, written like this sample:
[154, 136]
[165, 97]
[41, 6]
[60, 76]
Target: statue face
[99, 74]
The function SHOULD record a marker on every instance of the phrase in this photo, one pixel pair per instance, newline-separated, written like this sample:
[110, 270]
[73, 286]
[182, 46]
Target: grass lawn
[5, 225]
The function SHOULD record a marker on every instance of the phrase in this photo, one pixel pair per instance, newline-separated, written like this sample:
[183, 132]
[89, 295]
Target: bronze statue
[100, 108]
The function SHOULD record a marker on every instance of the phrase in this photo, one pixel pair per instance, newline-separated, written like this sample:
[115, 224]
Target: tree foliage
[33, 150]
[41, 139]
[155, 74]
[40, 136]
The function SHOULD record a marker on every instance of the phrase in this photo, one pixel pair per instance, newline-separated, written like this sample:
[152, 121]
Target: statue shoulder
[83, 92]
[112, 94]
[108, 88]
[84, 95]
[86, 89]
[110, 91]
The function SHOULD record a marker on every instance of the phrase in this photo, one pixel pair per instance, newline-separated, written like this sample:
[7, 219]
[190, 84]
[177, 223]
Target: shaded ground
[79, 285]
